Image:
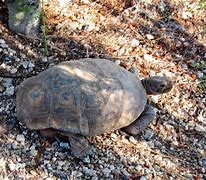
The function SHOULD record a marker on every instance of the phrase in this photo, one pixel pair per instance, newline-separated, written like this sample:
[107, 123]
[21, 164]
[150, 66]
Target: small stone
[33, 152]
[148, 57]
[33, 147]
[2, 163]
[112, 168]
[90, 27]
[61, 163]
[106, 171]
[13, 70]
[20, 138]
[2, 41]
[10, 91]
[25, 64]
[148, 133]
[204, 162]
[155, 99]
[86, 159]
[31, 65]
[1, 88]
[135, 43]
[199, 128]
[149, 36]
[138, 167]
[44, 59]
[186, 15]
[132, 140]
[14, 145]
[143, 178]
[88, 171]
[64, 145]
[12, 166]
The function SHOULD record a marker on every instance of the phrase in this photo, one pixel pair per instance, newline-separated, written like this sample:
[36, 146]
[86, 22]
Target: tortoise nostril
[162, 85]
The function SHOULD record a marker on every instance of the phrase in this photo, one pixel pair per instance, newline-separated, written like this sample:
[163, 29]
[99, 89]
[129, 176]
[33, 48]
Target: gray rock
[148, 134]
[199, 128]
[33, 152]
[64, 145]
[20, 138]
[143, 178]
[89, 172]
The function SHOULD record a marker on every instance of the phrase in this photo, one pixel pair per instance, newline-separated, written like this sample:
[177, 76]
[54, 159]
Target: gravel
[173, 147]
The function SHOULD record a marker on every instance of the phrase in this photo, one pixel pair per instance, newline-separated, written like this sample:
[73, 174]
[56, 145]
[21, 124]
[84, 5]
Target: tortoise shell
[87, 97]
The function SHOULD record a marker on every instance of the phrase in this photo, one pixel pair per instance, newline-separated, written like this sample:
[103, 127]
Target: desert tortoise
[87, 97]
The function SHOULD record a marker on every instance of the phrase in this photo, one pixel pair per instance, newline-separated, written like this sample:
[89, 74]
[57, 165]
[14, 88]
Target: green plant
[43, 31]
[202, 4]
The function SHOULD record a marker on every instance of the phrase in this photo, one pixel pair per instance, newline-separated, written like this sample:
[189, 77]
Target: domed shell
[87, 96]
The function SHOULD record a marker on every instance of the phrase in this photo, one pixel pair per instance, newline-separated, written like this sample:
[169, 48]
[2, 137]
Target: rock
[86, 159]
[25, 64]
[12, 166]
[155, 99]
[64, 145]
[44, 59]
[14, 145]
[199, 128]
[2, 41]
[33, 152]
[204, 162]
[148, 57]
[88, 171]
[135, 43]
[106, 171]
[20, 138]
[143, 178]
[33, 147]
[9, 91]
[148, 133]
[149, 36]
[13, 70]
[2, 163]
[186, 15]
[132, 140]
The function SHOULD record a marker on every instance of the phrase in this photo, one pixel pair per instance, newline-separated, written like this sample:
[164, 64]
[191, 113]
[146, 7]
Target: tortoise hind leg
[142, 122]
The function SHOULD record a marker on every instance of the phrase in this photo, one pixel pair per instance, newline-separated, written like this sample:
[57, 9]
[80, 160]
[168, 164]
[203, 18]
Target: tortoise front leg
[79, 145]
[142, 122]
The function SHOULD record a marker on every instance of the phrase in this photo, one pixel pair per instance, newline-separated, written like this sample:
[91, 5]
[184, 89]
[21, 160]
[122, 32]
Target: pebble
[148, 134]
[20, 138]
[199, 128]
[2, 163]
[88, 171]
[155, 99]
[132, 140]
[148, 57]
[13, 70]
[143, 178]
[106, 171]
[33, 152]
[25, 64]
[149, 36]
[186, 15]
[2, 41]
[135, 43]
[64, 145]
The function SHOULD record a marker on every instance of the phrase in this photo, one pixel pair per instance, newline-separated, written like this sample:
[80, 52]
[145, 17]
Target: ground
[159, 38]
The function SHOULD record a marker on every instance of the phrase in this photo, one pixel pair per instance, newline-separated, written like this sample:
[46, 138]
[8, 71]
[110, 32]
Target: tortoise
[87, 97]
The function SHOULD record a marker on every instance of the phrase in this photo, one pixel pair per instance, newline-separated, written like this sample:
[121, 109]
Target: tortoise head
[157, 85]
